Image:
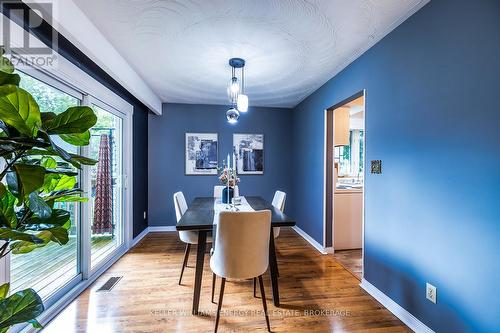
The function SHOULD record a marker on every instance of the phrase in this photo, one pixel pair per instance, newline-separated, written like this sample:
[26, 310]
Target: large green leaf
[9, 79]
[20, 110]
[55, 234]
[29, 178]
[48, 162]
[23, 143]
[20, 307]
[83, 160]
[14, 235]
[7, 88]
[6, 65]
[46, 116]
[71, 198]
[3, 190]
[4, 290]
[59, 235]
[78, 158]
[58, 182]
[58, 218]
[77, 139]
[65, 171]
[38, 206]
[57, 195]
[12, 183]
[64, 183]
[77, 119]
[8, 216]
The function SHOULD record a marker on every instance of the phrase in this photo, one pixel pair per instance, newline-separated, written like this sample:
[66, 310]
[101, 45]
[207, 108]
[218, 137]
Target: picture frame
[201, 154]
[249, 152]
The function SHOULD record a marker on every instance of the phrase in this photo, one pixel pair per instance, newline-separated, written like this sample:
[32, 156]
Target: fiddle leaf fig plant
[36, 173]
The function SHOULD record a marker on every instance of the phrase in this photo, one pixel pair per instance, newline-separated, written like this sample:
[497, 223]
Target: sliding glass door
[100, 226]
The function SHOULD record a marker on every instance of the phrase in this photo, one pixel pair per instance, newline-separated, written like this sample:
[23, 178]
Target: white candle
[234, 163]
[228, 162]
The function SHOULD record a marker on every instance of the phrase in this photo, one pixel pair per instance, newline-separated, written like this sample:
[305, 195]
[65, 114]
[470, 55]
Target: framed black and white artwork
[249, 151]
[201, 153]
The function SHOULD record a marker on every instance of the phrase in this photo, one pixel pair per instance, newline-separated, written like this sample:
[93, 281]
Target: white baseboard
[162, 228]
[410, 320]
[311, 240]
[139, 237]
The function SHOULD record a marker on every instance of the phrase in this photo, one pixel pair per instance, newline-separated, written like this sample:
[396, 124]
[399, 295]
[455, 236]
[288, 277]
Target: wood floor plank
[317, 295]
[352, 260]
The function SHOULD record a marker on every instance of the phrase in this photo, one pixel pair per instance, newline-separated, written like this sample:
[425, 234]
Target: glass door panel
[106, 189]
[51, 267]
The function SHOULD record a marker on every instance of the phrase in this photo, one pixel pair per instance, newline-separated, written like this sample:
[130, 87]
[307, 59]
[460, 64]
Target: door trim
[328, 232]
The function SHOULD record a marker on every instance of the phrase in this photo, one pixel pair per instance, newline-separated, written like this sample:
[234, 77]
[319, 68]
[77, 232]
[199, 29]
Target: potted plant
[35, 174]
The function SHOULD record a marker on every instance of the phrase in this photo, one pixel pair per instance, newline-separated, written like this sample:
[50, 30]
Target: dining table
[201, 216]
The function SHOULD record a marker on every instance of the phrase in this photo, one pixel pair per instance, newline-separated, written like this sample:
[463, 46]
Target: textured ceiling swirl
[292, 47]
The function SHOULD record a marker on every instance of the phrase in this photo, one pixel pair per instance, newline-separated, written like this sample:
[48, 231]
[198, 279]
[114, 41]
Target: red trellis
[103, 209]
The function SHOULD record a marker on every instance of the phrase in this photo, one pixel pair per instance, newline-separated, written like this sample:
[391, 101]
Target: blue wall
[432, 117]
[166, 154]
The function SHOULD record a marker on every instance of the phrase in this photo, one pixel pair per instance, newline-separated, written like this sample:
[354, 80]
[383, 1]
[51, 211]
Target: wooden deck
[47, 269]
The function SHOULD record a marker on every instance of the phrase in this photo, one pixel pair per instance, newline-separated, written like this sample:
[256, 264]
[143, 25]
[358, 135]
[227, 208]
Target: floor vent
[108, 285]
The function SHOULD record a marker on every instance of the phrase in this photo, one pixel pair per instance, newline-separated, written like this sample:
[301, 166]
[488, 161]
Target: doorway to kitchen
[345, 186]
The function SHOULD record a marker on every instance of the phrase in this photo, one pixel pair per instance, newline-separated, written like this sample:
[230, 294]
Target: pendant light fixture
[236, 91]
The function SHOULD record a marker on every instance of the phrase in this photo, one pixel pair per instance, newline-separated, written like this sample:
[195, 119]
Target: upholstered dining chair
[218, 191]
[279, 202]
[188, 237]
[241, 251]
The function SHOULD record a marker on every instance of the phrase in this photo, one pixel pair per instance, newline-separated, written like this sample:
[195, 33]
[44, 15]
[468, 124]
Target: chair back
[242, 244]
[190, 237]
[180, 205]
[218, 191]
[279, 200]
[279, 203]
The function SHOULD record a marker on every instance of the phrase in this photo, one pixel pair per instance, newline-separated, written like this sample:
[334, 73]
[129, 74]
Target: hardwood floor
[352, 260]
[317, 295]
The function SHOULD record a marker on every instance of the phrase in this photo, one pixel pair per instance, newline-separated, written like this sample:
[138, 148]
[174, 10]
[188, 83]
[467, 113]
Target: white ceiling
[292, 47]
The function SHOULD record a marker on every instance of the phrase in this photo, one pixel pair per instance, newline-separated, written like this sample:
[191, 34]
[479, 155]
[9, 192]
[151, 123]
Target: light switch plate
[376, 167]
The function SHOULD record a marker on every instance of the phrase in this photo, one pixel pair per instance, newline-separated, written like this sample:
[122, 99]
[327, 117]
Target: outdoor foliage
[35, 174]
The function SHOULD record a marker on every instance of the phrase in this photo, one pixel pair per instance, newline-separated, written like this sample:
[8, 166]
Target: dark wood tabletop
[200, 214]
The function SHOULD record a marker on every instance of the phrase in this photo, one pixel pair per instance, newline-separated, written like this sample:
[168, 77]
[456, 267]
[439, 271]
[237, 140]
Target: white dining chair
[188, 237]
[218, 191]
[241, 251]
[279, 202]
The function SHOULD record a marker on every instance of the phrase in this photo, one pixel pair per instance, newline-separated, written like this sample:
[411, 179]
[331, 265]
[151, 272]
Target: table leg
[273, 270]
[200, 259]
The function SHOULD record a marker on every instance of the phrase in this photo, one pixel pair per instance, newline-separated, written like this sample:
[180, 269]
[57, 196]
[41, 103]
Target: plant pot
[227, 197]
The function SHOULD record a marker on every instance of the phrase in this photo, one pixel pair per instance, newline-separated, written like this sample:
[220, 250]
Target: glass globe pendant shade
[233, 89]
[232, 116]
[242, 104]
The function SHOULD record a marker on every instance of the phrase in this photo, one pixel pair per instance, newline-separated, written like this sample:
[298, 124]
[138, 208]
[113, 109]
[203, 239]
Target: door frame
[329, 186]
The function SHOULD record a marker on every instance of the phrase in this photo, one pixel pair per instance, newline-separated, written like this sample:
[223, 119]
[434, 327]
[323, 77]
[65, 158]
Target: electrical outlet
[431, 293]
[145, 215]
